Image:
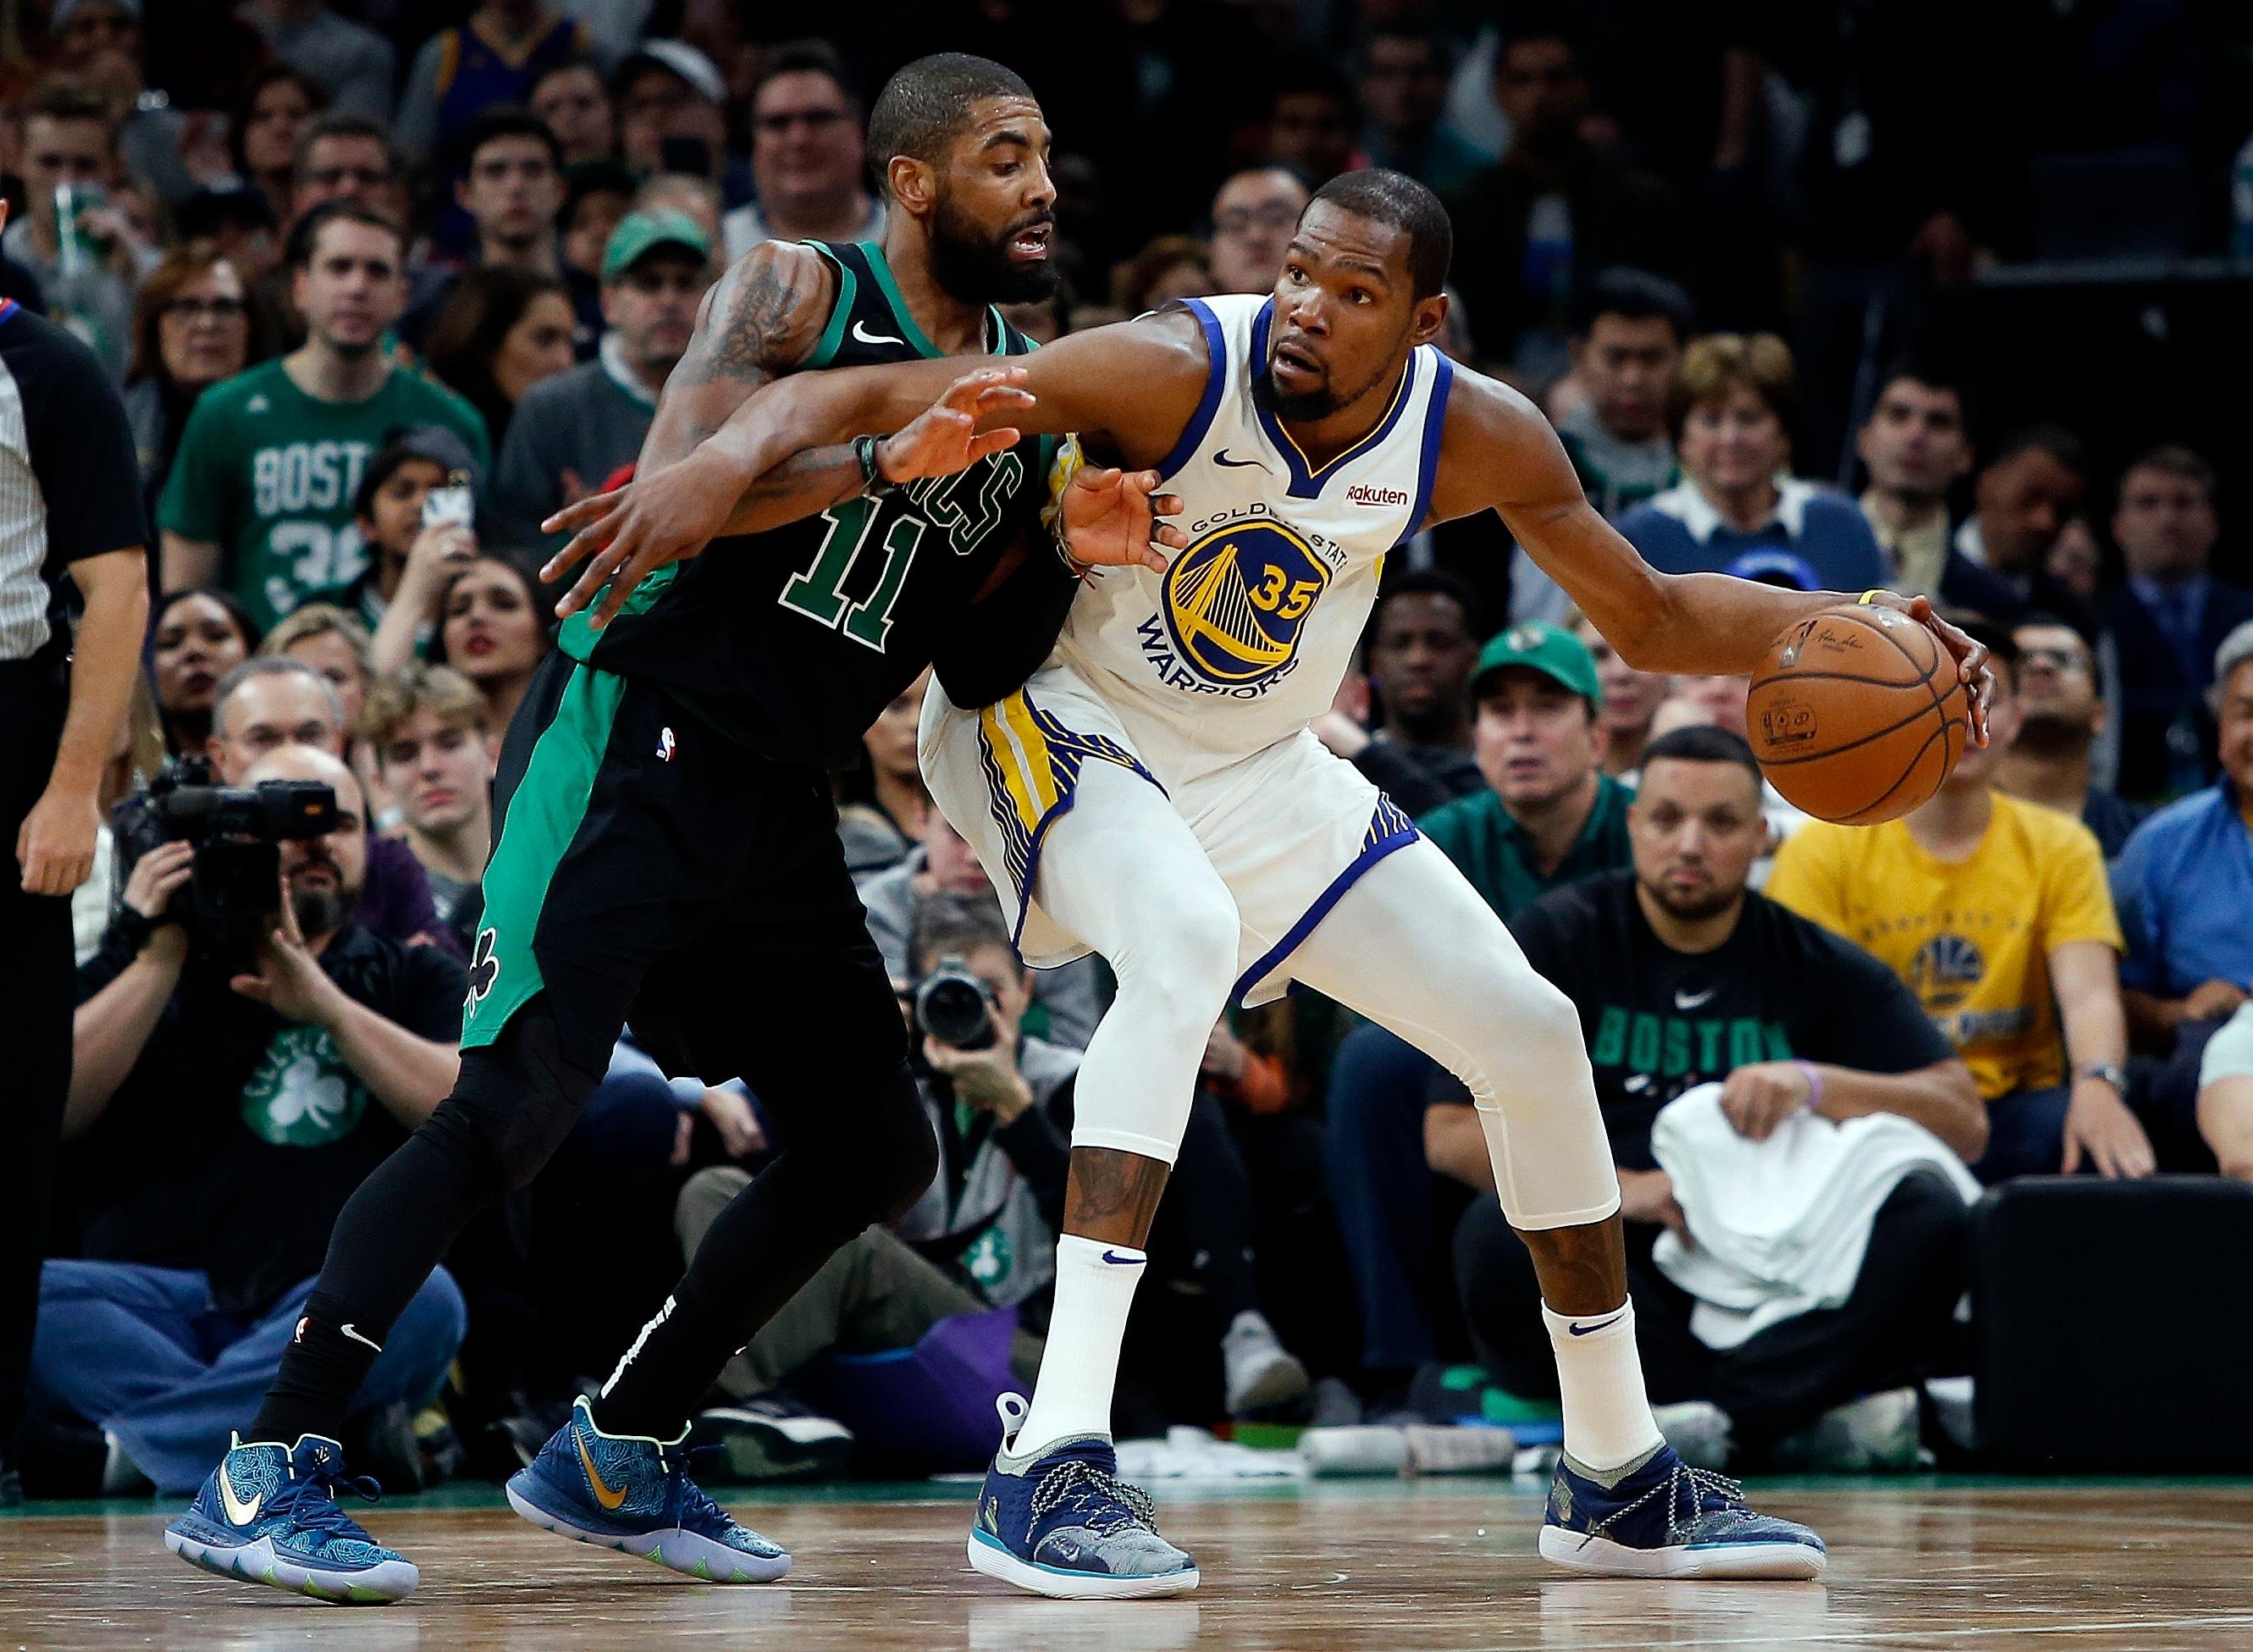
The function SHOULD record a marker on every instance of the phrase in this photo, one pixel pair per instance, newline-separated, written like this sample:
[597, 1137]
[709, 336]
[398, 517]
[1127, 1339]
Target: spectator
[1631, 700]
[1553, 211]
[673, 117]
[344, 157]
[504, 329]
[403, 550]
[575, 104]
[885, 799]
[356, 66]
[512, 188]
[436, 753]
[1253, 213]
[1684, 977]
[496, 57]
[696, 198]
[1167, 270]
[2061, 713]
[1628, 336]
[2022, 503]
[1990, 909]
[574, 430]
[1404, 93]
[236, 219]
[99, 42]
[2169, 621]
[333, 644]
[492, 628]
[808, 156]
[277, 108]
[1737, 509]
[2225, 1096]
[297, 1069]
[1310, 129]
[198, 637]
[193, 325]
[1917, 444]
[2186, 879]
[266, 704]
[1547, 817]
[261, 497]
[2075, 562]
[597, 196]
[70, 141]
[1423, 644]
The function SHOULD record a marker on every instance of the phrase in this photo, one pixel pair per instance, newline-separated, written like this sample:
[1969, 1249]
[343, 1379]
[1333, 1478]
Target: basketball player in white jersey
[1154, 794]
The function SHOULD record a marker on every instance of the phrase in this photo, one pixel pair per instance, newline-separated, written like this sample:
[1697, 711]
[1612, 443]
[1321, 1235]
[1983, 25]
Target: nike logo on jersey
[610, 1500]
[351, 1332]
[238, 1513]
[1584, 1330]
[861, 331]
[1221, 458]
[1691, 1001]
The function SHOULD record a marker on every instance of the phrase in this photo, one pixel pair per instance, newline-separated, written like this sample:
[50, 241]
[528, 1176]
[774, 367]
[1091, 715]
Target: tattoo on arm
[752, 320]
[800, 486]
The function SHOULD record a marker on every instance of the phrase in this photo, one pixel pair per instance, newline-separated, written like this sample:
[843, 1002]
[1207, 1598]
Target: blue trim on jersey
[1216, 373]
[1307, 480]
[1435, 427]
[1389, 830]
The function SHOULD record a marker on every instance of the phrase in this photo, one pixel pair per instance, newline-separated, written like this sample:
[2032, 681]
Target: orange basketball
[1857, 715]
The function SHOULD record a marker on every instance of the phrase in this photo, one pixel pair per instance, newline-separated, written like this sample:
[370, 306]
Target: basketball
[1857, 715]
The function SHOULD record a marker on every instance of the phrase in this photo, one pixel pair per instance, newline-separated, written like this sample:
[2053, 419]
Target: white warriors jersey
[1244, 640]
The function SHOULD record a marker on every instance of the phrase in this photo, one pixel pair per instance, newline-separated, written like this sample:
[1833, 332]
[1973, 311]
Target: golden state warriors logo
[1237, 600]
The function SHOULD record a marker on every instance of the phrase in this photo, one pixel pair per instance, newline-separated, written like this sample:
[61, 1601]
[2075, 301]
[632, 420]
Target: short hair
[1719, 362]
[318, 619]
[1443, 51]
[497, 120]
[803, 57]
[1396, 199]
[2173, 458]
[306, 234]
[566, 65]
[2056, 440]
[1430, 581]
[2236, 648]
[400, 448]
[955, 926]
[418, 686]
[1932, 374]
[343, 124]
[924, 106]
[175, 273]
[1703, 743]
[1131, 282]
[1633, 295]
[273, 665]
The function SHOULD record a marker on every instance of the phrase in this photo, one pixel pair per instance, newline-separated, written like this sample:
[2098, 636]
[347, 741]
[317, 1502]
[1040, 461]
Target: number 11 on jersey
[818, 593]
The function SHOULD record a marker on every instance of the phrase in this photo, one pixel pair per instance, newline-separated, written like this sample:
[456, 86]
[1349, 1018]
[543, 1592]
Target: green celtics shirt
[268, 474]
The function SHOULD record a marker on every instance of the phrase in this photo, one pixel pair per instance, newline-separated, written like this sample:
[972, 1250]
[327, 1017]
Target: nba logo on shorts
[664, 744]
[1237, 600]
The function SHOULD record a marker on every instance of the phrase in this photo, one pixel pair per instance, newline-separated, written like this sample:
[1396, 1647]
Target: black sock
[321, 1370]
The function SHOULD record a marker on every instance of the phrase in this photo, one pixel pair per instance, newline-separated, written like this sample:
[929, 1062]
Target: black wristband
[873, 483]
[133, 927]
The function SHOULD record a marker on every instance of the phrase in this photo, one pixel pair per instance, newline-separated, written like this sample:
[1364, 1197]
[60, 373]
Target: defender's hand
[1970, 657]
[944, 438]
[1111, 519]
[627, 534]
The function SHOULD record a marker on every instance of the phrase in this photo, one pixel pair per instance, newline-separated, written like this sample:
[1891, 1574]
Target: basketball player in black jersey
[667, 855]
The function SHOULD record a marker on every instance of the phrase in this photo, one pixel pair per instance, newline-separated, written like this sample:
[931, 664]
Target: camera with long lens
[954, 1006]
[234, 889]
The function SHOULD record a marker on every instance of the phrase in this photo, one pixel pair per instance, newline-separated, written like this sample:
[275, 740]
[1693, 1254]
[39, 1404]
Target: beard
[975, 266]
[322, 911]
[1303, 409]
[1712, 903]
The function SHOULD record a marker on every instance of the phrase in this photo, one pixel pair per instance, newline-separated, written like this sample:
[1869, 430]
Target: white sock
[1608, 1421]
[1094, 1288]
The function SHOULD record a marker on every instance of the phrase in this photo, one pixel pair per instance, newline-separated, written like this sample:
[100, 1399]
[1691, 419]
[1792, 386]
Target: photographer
[226, 1098]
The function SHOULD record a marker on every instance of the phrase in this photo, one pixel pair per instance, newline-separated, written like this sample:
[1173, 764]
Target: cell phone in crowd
[452, 506]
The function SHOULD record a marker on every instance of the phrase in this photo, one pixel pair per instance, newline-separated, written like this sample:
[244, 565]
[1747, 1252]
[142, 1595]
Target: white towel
[1780, 1227]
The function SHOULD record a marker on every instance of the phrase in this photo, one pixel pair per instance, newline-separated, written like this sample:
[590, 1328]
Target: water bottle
[2241, 204]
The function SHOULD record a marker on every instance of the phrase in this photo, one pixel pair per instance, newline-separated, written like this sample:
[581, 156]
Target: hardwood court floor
[1400, 1567]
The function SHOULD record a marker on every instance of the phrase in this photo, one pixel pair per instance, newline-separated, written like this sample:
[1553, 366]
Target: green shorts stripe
[544, 815]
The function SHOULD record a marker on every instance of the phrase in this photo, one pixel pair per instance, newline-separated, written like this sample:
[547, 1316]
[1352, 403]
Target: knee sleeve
[1536, 1107]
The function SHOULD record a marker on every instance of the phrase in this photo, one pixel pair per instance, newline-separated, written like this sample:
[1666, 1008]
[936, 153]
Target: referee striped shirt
[69, 487]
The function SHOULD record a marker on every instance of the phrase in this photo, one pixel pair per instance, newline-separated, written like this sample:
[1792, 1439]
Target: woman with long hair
[502, 332]
[277, 104]
[491, 630]
[198, 636]
[195, 322]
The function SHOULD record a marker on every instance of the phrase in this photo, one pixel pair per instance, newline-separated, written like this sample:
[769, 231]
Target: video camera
[237, 832]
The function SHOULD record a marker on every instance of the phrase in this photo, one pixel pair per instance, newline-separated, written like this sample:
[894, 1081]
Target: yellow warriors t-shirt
[1972, 937]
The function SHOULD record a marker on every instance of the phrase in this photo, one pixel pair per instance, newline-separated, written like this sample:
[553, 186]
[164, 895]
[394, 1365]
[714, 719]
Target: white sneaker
[1261, 1371]
[1698, 1431]
[1876, 1433]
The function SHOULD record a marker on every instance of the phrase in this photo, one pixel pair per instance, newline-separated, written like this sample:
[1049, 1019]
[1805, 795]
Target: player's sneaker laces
[1661, 1518]
[634, 1494]
[269, 1513]
[1063, 1524]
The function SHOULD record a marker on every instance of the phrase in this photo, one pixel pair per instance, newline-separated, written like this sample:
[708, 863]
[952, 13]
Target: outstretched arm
[1498, 453]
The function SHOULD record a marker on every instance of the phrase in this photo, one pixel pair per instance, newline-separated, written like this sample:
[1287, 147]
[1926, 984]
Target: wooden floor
[1325, 1569]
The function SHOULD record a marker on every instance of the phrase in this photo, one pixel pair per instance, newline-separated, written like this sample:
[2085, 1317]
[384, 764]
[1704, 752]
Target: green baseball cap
[1557, 655]
[639, 234]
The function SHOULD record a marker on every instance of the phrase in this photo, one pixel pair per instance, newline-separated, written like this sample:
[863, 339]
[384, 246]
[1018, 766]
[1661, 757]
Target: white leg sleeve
[1412, 946]
[1123, 872]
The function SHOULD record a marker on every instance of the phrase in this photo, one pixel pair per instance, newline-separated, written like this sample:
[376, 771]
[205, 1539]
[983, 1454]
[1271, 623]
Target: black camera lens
[950, 1006]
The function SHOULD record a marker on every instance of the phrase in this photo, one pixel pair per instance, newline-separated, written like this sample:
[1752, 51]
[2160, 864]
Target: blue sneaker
[1062, 1523]
[1659, 1518]
[634, 1494]
[269, 1513]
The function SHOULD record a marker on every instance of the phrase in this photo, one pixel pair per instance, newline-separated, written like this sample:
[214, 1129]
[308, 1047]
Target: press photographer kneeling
[238, 1066]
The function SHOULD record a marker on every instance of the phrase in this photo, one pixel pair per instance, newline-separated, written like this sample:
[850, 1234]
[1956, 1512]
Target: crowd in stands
[386, 283]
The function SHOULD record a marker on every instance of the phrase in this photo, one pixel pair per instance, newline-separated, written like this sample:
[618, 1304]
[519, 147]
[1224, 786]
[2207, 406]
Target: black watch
[2116, 1077]
[873, 483]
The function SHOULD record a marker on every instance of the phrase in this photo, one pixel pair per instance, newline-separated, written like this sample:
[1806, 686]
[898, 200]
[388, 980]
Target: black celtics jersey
[791, 641]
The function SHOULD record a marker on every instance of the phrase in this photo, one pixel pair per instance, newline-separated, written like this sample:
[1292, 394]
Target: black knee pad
[515, 1101]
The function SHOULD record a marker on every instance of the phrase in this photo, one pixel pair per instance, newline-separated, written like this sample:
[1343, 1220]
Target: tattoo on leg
[1582, 1270]
[1112, 1196]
